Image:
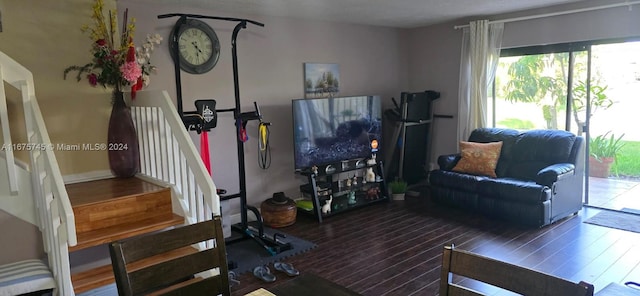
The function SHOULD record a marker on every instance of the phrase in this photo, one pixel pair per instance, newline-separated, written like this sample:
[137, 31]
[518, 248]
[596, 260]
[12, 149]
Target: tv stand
[323, 186]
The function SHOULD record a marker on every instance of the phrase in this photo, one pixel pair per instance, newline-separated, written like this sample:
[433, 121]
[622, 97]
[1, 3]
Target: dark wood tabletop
[311, 285]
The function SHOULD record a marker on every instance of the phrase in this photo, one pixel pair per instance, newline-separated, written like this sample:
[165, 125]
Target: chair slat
[208, 286]
[503, 275]
[162, 242]
[172, 270]
[456, 290]
[174, 275]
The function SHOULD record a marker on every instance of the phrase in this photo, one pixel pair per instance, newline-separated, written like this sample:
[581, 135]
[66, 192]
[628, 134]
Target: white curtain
[481, 43]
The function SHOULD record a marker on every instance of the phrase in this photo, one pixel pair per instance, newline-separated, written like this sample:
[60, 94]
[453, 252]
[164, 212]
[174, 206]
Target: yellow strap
[263, 136]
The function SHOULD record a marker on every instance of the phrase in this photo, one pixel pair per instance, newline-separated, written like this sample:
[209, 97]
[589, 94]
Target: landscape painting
[321, 80]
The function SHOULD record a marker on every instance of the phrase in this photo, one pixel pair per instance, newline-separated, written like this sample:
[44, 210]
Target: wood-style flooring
[614, 193]
[395, 248]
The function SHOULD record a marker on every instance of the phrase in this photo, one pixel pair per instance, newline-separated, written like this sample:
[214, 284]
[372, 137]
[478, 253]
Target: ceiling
[388, 13]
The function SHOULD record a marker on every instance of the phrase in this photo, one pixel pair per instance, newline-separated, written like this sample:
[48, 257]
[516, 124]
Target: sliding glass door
[592, 90]
[531, 91]
[615, 171]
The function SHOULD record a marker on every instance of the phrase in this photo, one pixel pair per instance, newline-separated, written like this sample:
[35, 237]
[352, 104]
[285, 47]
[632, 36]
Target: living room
[373, 59]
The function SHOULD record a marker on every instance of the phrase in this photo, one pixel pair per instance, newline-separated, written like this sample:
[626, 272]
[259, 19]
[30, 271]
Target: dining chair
[168, 263]
[503, 275]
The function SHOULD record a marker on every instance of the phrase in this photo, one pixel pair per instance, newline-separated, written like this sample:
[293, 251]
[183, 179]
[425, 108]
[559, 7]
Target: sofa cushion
[460, 181]
[537, 149]
[514, 190]
[508, 138]
[552, 146]
[478, 158]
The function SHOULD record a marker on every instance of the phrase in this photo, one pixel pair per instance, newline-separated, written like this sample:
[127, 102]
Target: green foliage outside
[628, 160]
[607, 145]
[516, 123]
[542, 79]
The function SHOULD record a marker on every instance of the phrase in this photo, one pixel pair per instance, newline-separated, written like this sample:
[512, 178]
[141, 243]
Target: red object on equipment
[204, 150]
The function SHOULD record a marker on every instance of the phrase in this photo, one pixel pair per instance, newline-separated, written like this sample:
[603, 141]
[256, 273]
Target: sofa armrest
[554, 173]
[448, 162]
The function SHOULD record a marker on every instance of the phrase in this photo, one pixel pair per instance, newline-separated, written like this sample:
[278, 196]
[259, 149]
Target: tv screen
[329, 130]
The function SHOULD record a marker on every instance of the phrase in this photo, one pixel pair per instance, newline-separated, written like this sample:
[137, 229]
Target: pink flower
[131, 71]
[93, 79]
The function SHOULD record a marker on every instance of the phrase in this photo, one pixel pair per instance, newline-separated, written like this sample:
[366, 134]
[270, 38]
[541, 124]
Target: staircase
[172, 188]
[112, 209]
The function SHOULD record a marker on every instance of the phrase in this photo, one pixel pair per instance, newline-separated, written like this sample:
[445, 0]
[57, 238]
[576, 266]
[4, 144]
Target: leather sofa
[540, 177]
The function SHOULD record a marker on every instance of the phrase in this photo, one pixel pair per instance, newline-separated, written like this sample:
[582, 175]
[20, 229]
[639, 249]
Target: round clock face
[198, 47]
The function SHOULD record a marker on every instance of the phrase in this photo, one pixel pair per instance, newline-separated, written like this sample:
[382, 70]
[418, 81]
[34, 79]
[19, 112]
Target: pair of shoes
[233, 279]
[286, 268]
[263, 273]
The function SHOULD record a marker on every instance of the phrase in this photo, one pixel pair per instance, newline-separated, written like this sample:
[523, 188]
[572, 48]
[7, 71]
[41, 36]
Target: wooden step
[110, 202]
[103, 275]
[112, 209]
[109, 234]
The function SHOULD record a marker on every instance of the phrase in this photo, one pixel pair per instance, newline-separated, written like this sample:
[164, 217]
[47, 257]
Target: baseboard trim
[88, 176]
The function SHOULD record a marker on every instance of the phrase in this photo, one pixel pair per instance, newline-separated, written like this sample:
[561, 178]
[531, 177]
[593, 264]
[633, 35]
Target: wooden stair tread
[118, 232]
[93, 278]
[107, 189]
[103, 275]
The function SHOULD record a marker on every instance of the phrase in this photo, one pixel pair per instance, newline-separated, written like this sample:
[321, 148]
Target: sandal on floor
[263, 273]
[286, 268]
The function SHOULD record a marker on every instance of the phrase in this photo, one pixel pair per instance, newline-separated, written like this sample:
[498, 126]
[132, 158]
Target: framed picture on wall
[321, 80]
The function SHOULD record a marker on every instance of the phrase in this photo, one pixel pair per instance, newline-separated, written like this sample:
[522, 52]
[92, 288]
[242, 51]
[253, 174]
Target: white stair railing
[7, 146]
[54, 212]
[168, 155]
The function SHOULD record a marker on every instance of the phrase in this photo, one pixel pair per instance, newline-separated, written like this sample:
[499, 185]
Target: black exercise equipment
[413, 119]
[196, 120]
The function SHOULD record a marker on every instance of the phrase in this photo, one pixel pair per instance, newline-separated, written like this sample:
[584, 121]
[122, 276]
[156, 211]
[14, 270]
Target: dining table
[307, 284]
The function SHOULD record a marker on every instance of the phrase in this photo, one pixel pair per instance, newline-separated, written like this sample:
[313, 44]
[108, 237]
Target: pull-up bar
[242, 24]
[272, 245]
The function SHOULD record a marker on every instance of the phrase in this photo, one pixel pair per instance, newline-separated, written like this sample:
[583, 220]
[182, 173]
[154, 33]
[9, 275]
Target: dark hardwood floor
[395, 248]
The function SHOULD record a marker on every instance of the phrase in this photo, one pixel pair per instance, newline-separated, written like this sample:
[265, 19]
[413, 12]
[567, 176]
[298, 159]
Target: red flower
[101, 42]
[140, 83]
[131, 54]
[93, 79]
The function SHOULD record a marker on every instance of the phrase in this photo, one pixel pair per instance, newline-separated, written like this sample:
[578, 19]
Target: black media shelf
[321, 186]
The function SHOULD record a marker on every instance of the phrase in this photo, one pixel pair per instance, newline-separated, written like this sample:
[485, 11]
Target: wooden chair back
[504, 275]
[155, 264]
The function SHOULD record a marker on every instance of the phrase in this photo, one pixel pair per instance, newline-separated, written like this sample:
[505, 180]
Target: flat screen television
[330, 130]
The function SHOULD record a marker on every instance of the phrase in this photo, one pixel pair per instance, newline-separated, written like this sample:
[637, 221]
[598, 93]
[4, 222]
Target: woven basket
[278, 212]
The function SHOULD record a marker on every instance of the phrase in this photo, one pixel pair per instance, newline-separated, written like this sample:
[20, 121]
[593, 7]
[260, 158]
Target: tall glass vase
[122, 141]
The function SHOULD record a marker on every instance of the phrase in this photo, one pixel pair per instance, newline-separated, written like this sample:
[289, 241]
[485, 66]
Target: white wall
[435, 51]
[270, 61]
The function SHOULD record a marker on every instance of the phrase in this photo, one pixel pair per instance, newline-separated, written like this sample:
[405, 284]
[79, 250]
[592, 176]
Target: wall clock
[198, 47]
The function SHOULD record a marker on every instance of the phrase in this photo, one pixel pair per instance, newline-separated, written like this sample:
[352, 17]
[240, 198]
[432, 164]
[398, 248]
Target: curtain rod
[523, 18]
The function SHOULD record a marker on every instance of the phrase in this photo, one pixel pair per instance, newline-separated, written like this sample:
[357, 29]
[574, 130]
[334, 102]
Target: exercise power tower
[205, 118]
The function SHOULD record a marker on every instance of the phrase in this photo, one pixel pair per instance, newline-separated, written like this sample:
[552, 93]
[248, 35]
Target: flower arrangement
[116, 63]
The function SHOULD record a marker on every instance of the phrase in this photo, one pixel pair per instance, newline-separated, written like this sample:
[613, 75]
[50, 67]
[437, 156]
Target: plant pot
[600, 168]
[122, 140]
[397, 196]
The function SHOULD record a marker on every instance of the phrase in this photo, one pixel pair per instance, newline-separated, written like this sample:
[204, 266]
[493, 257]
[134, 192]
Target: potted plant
[398, 188]
[602, 154]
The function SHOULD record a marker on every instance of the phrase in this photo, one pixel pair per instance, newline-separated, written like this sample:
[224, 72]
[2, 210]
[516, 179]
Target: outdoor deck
[614, 193]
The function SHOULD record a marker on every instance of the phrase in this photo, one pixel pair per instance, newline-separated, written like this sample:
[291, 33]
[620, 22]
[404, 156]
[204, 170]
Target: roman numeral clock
[198, 47]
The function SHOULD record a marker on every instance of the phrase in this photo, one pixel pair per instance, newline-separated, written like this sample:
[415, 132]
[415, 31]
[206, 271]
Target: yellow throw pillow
[479, 158]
